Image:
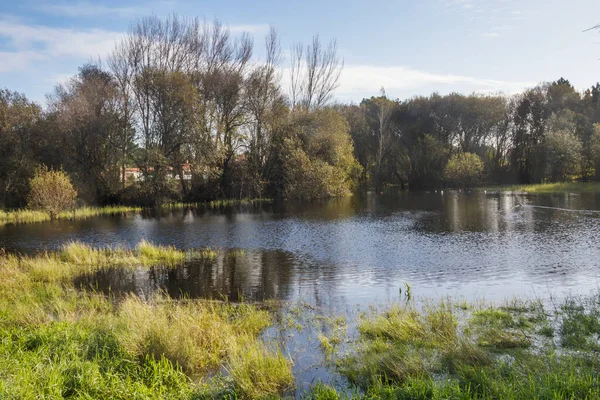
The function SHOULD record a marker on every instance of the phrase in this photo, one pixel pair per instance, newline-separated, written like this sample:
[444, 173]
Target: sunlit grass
[476, 352]
[557, 187]
[32, 216]
[57, 341]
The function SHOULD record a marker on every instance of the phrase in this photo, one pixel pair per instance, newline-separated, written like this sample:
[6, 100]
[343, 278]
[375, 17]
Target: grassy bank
[32, 216]
[57, 342]
[558, 187]
[518, 350]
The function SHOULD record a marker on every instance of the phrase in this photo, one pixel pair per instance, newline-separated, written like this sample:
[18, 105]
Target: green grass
[558, 187]
[33, 216]
[478, 352]
[57, 341]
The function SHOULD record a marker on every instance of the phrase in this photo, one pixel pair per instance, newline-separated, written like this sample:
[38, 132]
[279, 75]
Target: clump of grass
[259, 372]
[196, 336]
[150, 254]
[201, 254]
[580, 324]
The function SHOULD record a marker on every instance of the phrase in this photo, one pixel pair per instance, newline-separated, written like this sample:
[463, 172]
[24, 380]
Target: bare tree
[315, 72]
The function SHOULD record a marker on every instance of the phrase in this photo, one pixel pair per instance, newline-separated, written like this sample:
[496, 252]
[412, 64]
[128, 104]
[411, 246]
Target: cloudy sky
[409, 47]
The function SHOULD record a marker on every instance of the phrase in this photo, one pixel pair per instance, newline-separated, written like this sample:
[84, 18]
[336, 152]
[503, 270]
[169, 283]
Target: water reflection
[233, 275]
[355, 250]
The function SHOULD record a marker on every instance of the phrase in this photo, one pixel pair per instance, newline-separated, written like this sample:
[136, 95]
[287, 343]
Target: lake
[359, 250]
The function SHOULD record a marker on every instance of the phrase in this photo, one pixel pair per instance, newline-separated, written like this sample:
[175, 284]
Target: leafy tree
[19, 120]
[464, 170]
[51, 191]
[562, 148]
[319, 158]
[595, 149]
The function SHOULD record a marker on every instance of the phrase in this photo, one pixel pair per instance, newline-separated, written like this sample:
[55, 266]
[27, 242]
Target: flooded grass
[32, 216]
[57, 341]
[503, 351]
[557, 187]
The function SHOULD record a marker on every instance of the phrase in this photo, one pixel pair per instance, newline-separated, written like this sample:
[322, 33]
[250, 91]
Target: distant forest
[183, 111]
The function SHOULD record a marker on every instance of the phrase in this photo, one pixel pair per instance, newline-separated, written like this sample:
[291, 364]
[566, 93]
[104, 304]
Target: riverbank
[61, 341]
[557, 187]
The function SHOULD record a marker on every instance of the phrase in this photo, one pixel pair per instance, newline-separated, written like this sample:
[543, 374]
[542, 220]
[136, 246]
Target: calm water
[359, 250]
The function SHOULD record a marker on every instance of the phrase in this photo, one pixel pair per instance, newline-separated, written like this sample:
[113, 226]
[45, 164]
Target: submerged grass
[557, 187]
[476, 352]
[58, 342]
[32, 216]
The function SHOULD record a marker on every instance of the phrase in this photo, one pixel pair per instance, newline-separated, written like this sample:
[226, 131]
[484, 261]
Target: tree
[318, 157]
[562, 148]
[464, 170]
[19, 119]
[91, 132]
[379, 114]
[315, 72]
[51, 191]
[595, 149]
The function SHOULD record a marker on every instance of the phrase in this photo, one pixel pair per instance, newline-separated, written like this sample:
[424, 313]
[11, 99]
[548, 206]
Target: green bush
[51, 191]
[464, 170]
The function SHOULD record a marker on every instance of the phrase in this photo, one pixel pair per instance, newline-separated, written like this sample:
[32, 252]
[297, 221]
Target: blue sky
[409, 47]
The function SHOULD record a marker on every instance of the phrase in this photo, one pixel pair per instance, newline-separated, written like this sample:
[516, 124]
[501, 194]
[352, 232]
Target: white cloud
[89, 9]
[357, 80]
[48, 42]
[253, 29]
[17, 61]
[29, 43]
[491, 34]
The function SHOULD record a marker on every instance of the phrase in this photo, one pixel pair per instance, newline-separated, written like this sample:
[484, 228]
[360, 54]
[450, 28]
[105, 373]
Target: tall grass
[32, 216]
[57, 341]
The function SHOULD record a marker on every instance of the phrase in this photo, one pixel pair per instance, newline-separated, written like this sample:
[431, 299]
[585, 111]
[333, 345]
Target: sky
[408, 47]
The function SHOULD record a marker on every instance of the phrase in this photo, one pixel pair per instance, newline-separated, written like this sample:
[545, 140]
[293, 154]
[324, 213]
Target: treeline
[198, 117]
[545, 134]
[186, 104]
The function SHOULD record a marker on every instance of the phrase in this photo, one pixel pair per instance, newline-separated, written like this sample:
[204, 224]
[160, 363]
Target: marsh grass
[558, 187]
[476, 352]
[33, 216]
[58, 342]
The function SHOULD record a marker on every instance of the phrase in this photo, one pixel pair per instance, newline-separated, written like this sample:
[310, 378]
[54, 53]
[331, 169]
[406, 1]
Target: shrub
[51, 191]
[464, 170]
